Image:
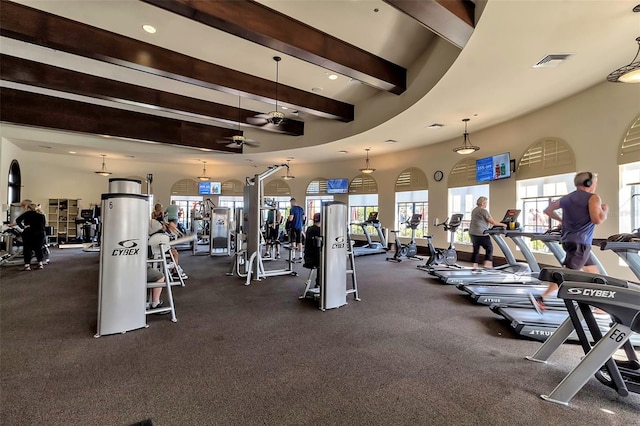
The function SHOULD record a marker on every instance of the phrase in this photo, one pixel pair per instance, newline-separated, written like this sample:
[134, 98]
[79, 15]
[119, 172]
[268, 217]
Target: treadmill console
[510, 218]
[373, 217]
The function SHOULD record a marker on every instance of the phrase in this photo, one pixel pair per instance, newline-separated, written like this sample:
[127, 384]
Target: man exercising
[297, 218]
[582, 210]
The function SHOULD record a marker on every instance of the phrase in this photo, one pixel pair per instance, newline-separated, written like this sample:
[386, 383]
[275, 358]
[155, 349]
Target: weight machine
[253, 220]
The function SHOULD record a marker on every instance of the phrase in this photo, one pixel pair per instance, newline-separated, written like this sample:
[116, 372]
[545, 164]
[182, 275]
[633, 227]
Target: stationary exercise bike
[409, 250]
[447, 257]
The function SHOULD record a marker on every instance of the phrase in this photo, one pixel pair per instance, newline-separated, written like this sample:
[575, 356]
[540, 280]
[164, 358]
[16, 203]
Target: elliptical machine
[409, 250]
[447, 257]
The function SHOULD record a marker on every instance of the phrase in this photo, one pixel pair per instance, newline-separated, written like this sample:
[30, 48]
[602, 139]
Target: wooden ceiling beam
[255, 22]
[32, 109]
[34, 26]
[453, 20]
[32, 73]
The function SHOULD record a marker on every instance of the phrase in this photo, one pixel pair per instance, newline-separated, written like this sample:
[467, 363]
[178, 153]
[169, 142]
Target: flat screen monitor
[209, 188]
[86, 213]
[337, 186]
[493, 168]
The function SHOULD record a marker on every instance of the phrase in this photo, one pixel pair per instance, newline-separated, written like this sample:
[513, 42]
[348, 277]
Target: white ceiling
[490, 81]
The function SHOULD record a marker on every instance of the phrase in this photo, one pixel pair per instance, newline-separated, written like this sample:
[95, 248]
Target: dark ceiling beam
[453, 20]
[257, 23]
[32, 109]
[44, 29]
[32, 73]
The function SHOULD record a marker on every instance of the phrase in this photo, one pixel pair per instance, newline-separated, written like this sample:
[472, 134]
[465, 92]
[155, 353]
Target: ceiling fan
[237, 141]
[272, 118]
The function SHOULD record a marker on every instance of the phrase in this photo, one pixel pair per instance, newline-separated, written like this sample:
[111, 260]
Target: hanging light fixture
[276, 117]
[466, 147]
[204, 176]
[367, 167]
[288, 176]
[629, 73]
[239, 138]
[103, 171]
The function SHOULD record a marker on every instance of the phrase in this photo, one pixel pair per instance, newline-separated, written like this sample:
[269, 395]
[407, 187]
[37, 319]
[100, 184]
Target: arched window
[545, 172]
[187, 187]
[318, 186]
[629, 151]
[463, 191]
[411, 197]
[463, 173]
[363, 199]
[277, 188]
[363, 184]
[15, 183]
[629, 169]
[545, 157]
[232, 187]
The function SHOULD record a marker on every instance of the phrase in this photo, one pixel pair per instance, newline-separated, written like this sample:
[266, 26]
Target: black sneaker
[538, 303]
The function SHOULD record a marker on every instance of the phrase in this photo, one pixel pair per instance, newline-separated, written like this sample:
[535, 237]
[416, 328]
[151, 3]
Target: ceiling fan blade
[258, 120]
[223, 140]
[251, 143]
[234, 145]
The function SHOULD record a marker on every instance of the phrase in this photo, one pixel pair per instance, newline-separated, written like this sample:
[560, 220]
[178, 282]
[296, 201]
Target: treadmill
[371, 247]
[531, 324]
[517, 295]
[513, 272]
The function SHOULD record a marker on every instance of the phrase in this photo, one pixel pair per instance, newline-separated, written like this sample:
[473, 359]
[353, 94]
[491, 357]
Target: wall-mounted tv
[337, 186]
[493, 168]
[209, 188]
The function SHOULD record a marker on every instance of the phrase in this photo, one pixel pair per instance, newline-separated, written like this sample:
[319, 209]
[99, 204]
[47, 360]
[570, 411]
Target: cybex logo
[129, 248]
[338, 243]
[590, 292]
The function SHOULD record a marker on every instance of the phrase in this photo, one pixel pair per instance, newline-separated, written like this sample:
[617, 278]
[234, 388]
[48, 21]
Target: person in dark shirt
[311, 248]
[297, 218]
[33, 235]
[581, 210]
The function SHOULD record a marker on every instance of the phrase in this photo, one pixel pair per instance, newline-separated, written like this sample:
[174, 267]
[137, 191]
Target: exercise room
[300, 213]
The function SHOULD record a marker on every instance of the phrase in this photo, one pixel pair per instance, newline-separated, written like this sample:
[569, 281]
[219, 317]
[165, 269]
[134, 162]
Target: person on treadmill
[581, 210]
[480, 221]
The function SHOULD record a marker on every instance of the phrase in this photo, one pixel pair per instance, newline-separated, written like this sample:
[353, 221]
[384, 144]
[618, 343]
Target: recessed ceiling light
[316, 89]
[204, 149]
[72, 152]
[283, 107]
[435, 126]
[390, 141]
[343, 152]
[149, 28]
[331, 76]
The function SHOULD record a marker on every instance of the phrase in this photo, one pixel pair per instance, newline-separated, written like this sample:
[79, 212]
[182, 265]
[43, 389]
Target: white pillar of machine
[123, 269]
[333, 265]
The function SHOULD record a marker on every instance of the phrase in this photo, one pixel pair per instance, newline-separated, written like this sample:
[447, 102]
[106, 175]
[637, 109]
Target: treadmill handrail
[558, 275]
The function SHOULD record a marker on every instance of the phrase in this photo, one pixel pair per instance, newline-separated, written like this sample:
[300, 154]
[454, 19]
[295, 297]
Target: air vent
[552, 61]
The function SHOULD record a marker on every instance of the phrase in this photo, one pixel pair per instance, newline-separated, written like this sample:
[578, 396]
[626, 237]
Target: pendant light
[466, 147]
[103, 171]
[276, 117]
[288, 176]
[629, 73]
[367, 167]
[204, 177]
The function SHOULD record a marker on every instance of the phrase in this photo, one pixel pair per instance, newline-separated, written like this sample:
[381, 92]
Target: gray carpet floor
[411, 352]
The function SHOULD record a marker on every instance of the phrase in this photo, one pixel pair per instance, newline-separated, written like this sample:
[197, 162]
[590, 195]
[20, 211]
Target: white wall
[592, 122]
